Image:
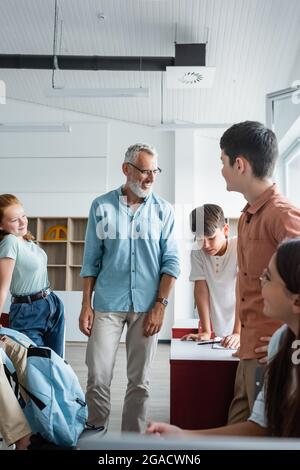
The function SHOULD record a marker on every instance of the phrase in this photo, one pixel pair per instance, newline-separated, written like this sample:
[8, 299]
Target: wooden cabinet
[62, 238]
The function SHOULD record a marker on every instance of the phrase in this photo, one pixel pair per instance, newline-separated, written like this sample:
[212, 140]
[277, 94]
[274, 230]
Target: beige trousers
[100, 358]
[245, 390]
[13, 424]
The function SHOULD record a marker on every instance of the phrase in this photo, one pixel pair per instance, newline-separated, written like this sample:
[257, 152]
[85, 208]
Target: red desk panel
[185, 327]
[4, 319]
[179, 332]
[201, 389]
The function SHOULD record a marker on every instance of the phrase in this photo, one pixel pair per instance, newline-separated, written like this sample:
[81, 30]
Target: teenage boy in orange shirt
[249, 152]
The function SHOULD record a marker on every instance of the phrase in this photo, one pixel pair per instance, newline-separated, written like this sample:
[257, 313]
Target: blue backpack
[56, 408]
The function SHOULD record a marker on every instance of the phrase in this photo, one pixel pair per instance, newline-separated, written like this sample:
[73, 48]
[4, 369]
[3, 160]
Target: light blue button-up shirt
[129, 251]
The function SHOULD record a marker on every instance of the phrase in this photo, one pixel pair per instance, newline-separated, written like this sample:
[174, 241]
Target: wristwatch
[162, 300]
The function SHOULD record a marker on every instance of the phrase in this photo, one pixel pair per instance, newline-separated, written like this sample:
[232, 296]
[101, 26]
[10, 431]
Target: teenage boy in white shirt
[214, 271]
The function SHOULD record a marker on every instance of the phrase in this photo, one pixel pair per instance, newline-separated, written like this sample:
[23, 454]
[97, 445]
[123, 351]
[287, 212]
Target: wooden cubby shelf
[64, 255]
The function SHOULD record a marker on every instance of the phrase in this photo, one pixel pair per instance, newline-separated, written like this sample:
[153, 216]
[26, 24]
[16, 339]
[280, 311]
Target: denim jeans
[42, 321]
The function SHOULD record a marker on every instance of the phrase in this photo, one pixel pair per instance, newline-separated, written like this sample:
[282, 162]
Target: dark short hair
[207, 218]
[253, 141]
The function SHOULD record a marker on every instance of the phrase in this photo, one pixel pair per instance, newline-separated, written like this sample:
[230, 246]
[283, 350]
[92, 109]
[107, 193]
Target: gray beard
[137, 190]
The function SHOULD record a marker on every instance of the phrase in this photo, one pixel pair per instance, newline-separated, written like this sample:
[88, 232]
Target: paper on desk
[216, 339]
[215, 343]
[219, 346]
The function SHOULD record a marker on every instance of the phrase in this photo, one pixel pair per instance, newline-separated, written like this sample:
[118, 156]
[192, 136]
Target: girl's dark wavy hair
[282, 376]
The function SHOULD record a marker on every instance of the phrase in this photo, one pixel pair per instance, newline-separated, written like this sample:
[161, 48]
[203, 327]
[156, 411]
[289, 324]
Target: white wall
[295, 74]
[293, 178]
[210, 186]
[184, 202]
[198, 180]
[88, 159]
[51, 172]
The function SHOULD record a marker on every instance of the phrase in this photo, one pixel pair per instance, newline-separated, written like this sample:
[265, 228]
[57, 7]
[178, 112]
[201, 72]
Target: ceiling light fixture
[34, 127]
[98, 92]
[178, 124]
[101, 16]
[64, 92]
[190, 77]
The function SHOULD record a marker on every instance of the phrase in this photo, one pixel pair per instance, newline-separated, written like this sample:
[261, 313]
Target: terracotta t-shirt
[262, 226]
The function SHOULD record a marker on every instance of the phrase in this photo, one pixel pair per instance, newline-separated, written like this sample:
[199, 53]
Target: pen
[209, 342]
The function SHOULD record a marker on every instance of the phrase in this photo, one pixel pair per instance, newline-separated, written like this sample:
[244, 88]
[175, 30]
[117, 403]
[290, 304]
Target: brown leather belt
[27, 299]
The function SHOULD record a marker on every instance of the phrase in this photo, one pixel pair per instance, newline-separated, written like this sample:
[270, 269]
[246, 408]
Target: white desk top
[191, 351]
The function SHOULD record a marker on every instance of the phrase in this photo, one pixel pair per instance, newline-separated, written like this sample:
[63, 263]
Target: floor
[159, 380]
[159, 409]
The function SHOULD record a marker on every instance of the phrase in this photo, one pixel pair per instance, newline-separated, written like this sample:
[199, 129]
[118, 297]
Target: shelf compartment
[47, 223]
[76, 280]
[76, 253]
[57, 277]
[56, 252]
[64, 256]
[32, 226]
[77, 229]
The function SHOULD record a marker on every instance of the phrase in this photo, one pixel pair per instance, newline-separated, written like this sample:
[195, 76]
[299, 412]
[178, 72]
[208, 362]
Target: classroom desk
[185, 326]
[202, 384]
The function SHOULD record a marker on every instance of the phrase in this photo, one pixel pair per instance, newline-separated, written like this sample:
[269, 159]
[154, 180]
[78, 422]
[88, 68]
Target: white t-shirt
[220, 274]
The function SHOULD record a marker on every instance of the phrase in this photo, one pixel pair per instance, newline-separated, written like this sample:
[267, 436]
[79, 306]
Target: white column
[184, 202]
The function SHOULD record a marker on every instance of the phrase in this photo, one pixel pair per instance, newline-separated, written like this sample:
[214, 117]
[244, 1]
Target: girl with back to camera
[276, 411]
[35, 310]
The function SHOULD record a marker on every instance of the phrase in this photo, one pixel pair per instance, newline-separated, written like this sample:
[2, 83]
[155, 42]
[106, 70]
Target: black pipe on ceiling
[185, 55]
[74, 62]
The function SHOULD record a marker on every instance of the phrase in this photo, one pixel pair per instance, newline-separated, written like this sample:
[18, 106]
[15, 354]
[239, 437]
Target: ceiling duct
[190, 54]
[185, 54]
[87, 62]
[190, 71]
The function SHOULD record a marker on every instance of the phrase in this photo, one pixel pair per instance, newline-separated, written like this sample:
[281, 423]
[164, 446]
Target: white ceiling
[254, 45]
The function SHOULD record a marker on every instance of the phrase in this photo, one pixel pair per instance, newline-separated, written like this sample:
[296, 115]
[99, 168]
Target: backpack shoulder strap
[20, 338]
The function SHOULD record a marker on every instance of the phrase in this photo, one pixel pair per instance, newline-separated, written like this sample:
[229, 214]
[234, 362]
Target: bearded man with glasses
[131, 262]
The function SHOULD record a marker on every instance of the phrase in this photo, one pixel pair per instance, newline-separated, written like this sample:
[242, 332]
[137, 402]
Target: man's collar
[261, 200]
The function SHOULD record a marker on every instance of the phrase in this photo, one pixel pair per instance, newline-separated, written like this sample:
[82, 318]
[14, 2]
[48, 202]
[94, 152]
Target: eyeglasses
[264, 277]
[155, 172]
